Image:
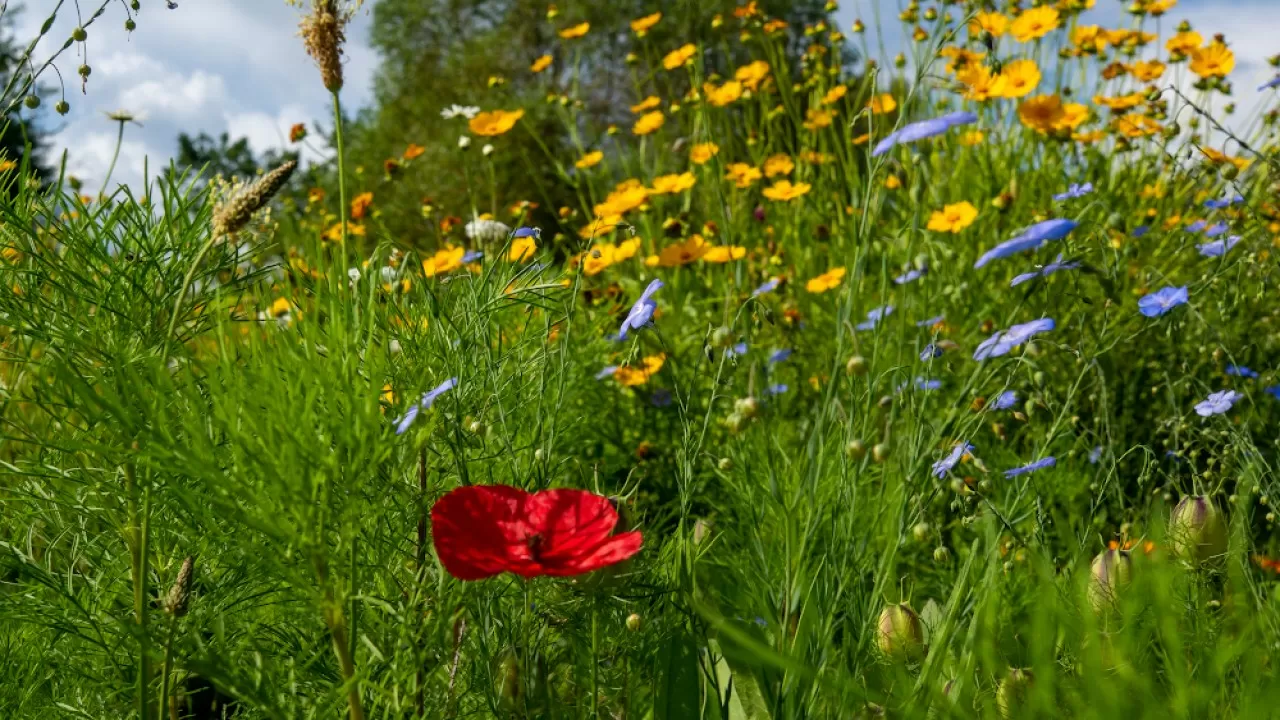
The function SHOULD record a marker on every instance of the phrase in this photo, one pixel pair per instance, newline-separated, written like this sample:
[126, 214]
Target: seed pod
[725, 464]
[721, 337]
[880, 452]
[941, 554]
[1197, 529]
[920, 531]
[899, 634]
[1108, 576]
[234, 214]
[1012, 693]
[634, 622]
[856, 449]
[857, 365]
[747, 407]
[179, 597]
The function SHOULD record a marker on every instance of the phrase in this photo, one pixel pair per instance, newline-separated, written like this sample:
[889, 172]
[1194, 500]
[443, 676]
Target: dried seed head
[234, 214]
[323, 35]
[179, 597]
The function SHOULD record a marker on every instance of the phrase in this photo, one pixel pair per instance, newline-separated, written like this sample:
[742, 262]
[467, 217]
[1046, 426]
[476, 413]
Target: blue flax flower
[1217, 403]
[928, 322]
[1005, 400]
[1032, 467]
[1140, 231]
[930, 352]
[779, 355]
[1241, 371]
[1274, 391]
[1162, 301]
[606, 371]
[1216, 229]
[944, 466]
[776, 389]
[524, 232]
[923, 129]
[428, 399]
[642, 312]
[1002, 341]
[1045, 271]
[1196, 226]
[471, 256]
[874, 317]
[1095, 454]
[1227, 201]
[913, 274]
[737, 350]
[1273, 82]
[768, 287]
[1074, 191]
[1030, 239]
[1218, 248]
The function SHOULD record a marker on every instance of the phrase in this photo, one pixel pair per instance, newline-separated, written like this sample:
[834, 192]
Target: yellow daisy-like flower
[881, 104]
[751, 75]
[589, 160]
[703, 152]
[1148, 70]
[953, 218]
[892, 182]
[990, 22]
[641, 26]
[522, 249]
[672, 184]
[1041, 113]
[575, 31]
[1119, 103]
[649, 123]
[413, 151]
[783, 190]
[1018, 79]
[1073, 116]
[540, 64]
[825, 281]
[1136, 126]
[724, 253]
[742, 174]
[631, 376]
[1215, 60]
[979, 84]
[779, 164]
[679, 57]
[816, 119]
[1183, 44]
[443, 261]
[627, 196]
[1034, 23]
[834, 94]
[725, 94]
[602, 255]
[971, 138]
[645, 105]
[495, 122]
[682, 253]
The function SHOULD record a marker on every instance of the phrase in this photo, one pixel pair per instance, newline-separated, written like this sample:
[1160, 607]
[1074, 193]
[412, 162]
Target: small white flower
[464, 142]
[486, 150]
[487, 231]
[394, 346]
[389, 275]
[354, 274]
[453, 111]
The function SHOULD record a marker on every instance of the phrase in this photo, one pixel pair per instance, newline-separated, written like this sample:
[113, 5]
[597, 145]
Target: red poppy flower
[483, 530]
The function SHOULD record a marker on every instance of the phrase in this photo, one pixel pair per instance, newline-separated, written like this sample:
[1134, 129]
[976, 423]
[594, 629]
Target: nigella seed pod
[1109, 574]
[920, 531]
[899, 634]
[634, 622]
[1012, 693]
[179, 597]
[1197, 529]
[857, 365]
[880, 452]
[856, 449]
[941, 554]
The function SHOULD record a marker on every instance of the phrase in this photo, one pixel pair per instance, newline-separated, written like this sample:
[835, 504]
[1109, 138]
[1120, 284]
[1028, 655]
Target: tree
[225, 157]
[21, 138]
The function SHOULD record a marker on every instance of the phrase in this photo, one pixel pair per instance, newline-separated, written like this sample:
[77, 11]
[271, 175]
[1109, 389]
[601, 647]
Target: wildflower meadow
[708, 361]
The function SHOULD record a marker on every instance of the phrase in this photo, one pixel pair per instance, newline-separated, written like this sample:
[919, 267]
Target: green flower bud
[899, 634]
[634, 622]
[747, 407]
[79, 34]
[130, 25]
[1109, 575]
[1197, 529]
[856, 449]
[857, 365]
[721, 337]
[62, 108]
[84, 71]
[725, 464]
[880, 452]
[941, 554]
[31, 101]
[921, 531]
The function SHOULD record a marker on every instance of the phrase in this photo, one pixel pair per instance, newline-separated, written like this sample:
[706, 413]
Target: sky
[238, 66]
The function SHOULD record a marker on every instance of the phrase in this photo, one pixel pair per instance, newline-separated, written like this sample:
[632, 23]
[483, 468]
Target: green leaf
[677, 693]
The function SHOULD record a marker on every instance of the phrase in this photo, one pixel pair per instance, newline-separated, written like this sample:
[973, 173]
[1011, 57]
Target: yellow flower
[1215, 60]
[725, 94]
[953, 218]
[413, 151]
[649, 123]
[627, 196]
[281, 307]
[892, 182]
[814, 157]
[648, 103]
[1120, 103]
[834, 94]
[671, 184]
[1073, 116]
[881, 104]
[825, 281]
[681, 253]
[522, 249]
[816, 119]
[1018, 79]
[861, 139]
[589, 160]
[6, 165]
[959, 58]
[640, 26]
[992, 22]
[678, 58]
[575, 31]
[540, 64]
[1184, 43]
[743, 174]
[779, 164]
[495, 122]
[1218, 158]
[979, 83]
[724, 254]
[971, 138]
[335, 233]
[783, 190]
[1034, 23]
[703, 152]
[1148, 70]
[1089, 38]
[1041, 113]
[753, 74]
[631, 376]
[360, 205]
[602, 255]
[1136, 126]
[443, 261]
[314, 195]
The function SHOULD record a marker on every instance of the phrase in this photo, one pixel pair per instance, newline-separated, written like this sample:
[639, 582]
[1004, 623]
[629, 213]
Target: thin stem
[595, 661]
[137, 534]
[420, 693]
[342, 175]
[168, 667]
[114, 156]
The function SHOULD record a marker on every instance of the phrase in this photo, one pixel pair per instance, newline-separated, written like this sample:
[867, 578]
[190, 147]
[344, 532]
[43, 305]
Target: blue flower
[1216, 229]
[471, 256]
[930, 352]
[929, 322]
[525, 232]
[874, 317]
[923, 384]
[1273, 82]
[403, 423]
[1196, 226]
[1045, 271]
[776, 389]
[1162, 301]
[1032, 238]
[1095, 455]
[779, 355]
[1274, 391]
[1218, 248]
[737, 350]
[923, 129]
[1032, 467]
[910, 275]
[1227, 201]
[1074, 191]
[944, 466]
[1141, 230]
[1002, 341]
[606, 371]
[642, 312]
[1241, 371]
[1217, 403]
[768, 287]
[1005, 400]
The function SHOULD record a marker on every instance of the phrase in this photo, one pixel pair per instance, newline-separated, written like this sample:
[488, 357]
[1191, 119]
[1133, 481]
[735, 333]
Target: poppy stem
[419, 701]
[595, 661]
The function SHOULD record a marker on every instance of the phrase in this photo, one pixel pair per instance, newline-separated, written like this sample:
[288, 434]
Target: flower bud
[721, 337]
[747, 407]
[725, 464]
[857, 365]
[79, 34]
[634, 622]
[920, 531]
[941, 554]
[1197, 529]
[1012, 693]
[1110, 573]
[880, 452]
[31, 101]
[856, 449]
[62, 108]
[899, 634]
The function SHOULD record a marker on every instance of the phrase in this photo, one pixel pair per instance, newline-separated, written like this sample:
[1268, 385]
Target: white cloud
[175, 95]
[265, 131]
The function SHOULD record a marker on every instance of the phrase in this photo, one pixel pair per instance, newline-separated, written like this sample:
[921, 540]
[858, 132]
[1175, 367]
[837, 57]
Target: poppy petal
[479, 530]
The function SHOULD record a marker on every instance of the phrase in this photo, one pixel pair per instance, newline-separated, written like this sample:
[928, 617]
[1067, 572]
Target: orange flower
[1216, 60]
[779, 164]
[703, 152]
[630, 376]
[816, 119]
[882, 104]
[576, 31]
[672, 184]
[641, 26]
[540, 64]
[522, 249]
[1148, 70]
[834, 94]
[825, 281]
[725, 94]
[496, 122]
[648, 103]
[589, 160]
[360, 204]
[680, 57]
[443, 261]
[1034, 23]
[724, 253]
[990, 22]
[1017, 79]
[602, 255]
[743, 175]
[752, 75]
[413, 151]
[682, 253]
[649, 123]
